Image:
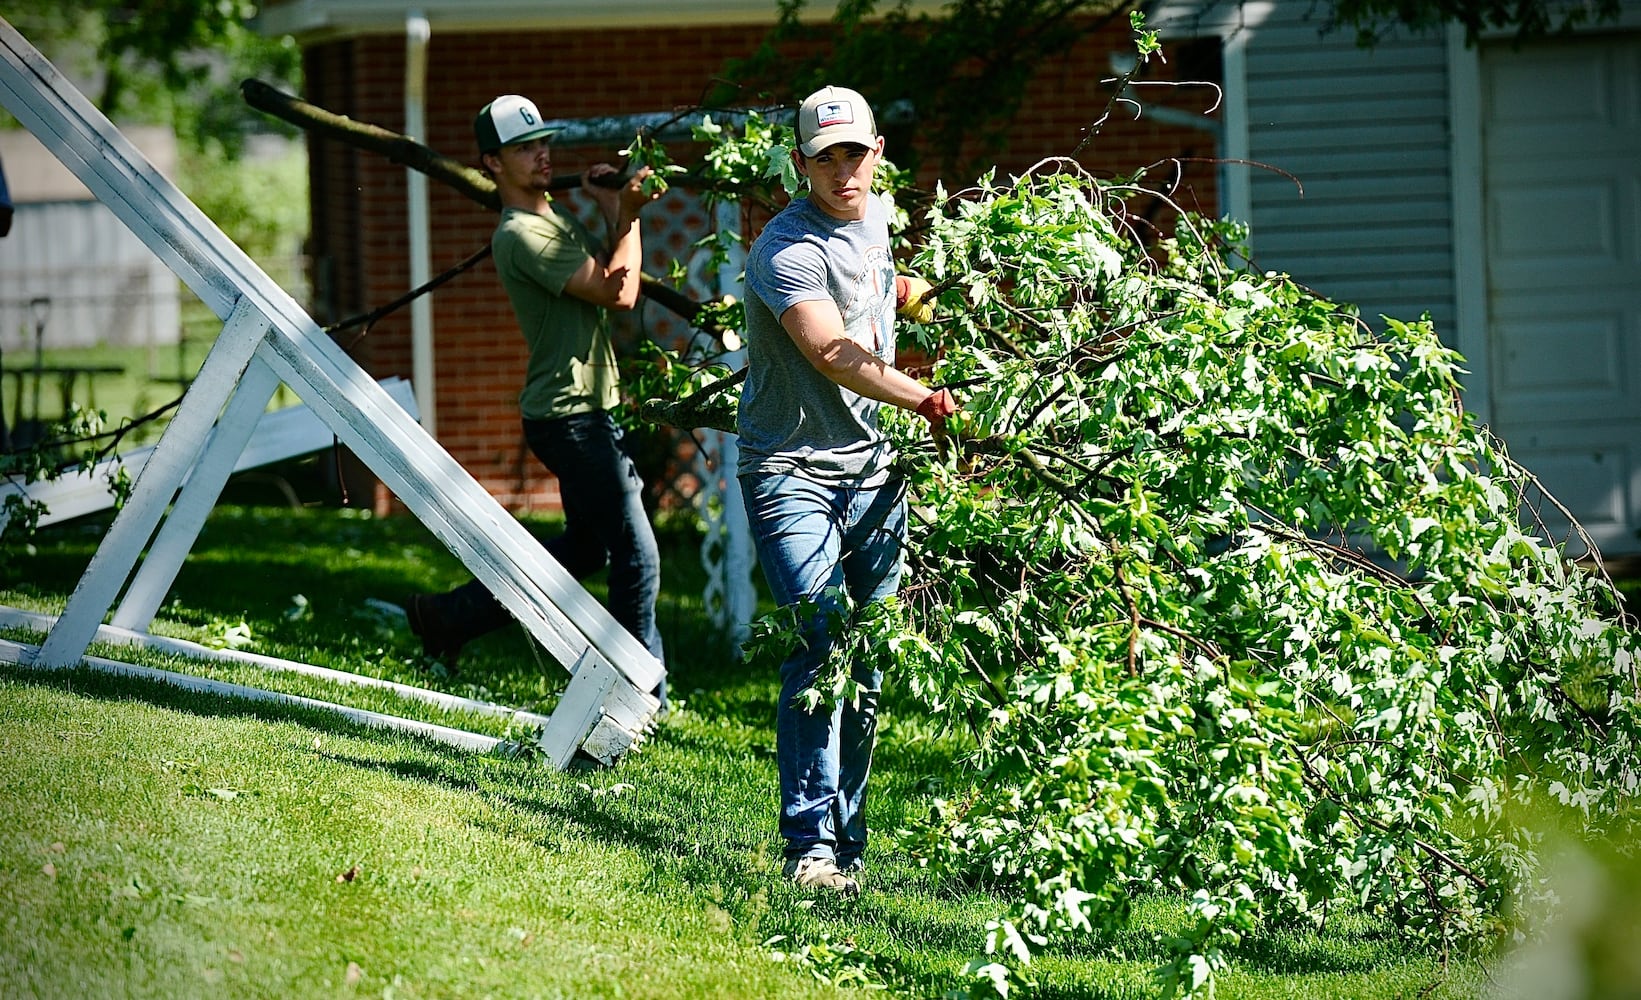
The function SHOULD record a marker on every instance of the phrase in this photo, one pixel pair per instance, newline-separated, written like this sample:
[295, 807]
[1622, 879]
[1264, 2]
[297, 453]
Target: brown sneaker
[820, 873]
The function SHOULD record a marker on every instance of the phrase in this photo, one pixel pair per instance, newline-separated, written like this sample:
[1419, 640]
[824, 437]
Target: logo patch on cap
[834, 113]
[506, 120]
[514, 116]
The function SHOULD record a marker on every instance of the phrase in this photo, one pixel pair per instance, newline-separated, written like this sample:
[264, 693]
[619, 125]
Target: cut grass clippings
[158, 843]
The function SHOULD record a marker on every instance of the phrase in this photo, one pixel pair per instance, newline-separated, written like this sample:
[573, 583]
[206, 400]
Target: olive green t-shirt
[572, 365]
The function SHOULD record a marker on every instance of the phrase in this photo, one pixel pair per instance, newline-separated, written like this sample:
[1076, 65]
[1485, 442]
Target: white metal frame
[279, 435]
[116, 636]
[267, 338]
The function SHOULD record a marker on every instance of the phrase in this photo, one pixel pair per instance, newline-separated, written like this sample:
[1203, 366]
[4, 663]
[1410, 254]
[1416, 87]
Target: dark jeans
[604, 523]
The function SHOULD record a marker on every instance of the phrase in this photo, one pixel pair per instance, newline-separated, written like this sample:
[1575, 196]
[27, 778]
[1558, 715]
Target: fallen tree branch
[393, 146]
[1316, 781]
[473, 183]
[704, 408]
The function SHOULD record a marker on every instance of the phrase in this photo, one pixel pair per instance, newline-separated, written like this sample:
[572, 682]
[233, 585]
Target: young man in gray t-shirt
[826, 506]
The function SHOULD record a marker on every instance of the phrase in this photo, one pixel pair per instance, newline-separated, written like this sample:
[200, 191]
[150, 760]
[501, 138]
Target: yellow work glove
[912, 299]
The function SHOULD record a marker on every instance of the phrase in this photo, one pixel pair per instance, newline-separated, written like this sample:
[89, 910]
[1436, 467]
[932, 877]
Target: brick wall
[359, 241]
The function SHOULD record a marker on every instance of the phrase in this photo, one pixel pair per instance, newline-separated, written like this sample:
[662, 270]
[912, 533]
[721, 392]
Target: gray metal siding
[1366, 215]
[105, 286]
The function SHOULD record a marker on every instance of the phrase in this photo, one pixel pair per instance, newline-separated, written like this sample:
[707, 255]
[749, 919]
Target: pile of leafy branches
[1238, 598]
[1233, 595]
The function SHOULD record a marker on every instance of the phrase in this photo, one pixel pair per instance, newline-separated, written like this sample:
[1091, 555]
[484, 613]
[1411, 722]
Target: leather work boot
[820, 873]
[428, 625]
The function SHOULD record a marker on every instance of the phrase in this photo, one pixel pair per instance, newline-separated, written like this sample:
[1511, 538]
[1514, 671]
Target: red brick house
[575, 59]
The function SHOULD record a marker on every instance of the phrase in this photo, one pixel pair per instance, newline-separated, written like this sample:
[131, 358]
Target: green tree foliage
[172, 62]
[965, 67]
[176, 63]
[1237, 598]
[261, 203]
[1232, 596]
[179, 63]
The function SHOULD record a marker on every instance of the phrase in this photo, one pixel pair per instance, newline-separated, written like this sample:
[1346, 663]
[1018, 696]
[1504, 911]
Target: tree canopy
[173, 62]
[965, 67]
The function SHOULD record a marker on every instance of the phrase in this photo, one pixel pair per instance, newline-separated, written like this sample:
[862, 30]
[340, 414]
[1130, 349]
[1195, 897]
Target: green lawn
[161, 844]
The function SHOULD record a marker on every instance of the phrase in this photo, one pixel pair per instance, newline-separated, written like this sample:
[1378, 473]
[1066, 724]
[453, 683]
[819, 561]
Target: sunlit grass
[160, 843]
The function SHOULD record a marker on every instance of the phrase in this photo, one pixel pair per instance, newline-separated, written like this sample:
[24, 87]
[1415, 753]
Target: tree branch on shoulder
[465, 180]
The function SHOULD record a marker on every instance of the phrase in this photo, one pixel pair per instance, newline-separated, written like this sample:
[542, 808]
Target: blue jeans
[811, 537]
[604, 522]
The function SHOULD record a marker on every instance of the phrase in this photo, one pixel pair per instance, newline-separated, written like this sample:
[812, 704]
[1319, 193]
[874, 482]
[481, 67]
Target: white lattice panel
[671, 228]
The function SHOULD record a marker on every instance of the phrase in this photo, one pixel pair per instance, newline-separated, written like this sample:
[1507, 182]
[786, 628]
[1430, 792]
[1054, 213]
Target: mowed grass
[155, 843]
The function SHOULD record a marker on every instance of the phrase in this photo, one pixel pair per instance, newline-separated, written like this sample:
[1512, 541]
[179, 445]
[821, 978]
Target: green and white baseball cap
[506, 120]
[832, 115]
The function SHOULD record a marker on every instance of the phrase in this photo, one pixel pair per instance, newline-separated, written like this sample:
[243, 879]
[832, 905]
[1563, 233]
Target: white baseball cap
[832, 115]
[506, 120]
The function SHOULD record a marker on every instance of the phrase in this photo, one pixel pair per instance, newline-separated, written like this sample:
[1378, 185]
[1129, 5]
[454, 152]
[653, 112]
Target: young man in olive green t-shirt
[562, 285]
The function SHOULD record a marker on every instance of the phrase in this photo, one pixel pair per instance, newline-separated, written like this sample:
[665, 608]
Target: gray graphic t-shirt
[792, 418]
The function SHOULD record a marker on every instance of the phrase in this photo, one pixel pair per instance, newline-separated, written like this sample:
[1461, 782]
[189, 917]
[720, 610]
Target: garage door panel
[1583, 96]
[1573, 222]
[1632, 232]
[1597, 158]
[1562, 197]
[1544, 358]
[1540, 277]
[1595, 479]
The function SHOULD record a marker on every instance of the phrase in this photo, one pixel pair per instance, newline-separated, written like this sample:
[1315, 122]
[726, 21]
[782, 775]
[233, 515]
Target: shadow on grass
[90, 683]
[302, 577]
[706, 829]
[703, 807]
[1353, 944]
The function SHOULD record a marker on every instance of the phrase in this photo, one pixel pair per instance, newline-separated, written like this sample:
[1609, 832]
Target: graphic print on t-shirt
[869, 309]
